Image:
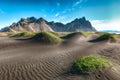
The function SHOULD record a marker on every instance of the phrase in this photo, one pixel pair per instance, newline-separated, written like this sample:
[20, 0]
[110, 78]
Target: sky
[103, 14]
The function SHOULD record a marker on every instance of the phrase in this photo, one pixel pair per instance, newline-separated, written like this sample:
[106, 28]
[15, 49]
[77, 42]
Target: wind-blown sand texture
[26, 60]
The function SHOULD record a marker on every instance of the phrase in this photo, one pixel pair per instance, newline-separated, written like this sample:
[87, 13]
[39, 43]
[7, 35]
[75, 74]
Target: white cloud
[77, 3]
[106, 24]
[57, 14]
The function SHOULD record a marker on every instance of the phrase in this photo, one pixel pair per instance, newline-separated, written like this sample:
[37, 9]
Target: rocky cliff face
[29, 24]
[80, 24]
[38, 25]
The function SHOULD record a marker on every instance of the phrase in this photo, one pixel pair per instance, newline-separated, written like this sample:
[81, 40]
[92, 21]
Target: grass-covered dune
[86, 33]
[106, 36]
[71, 35]
[46, 37]
[27, 34]
[89, 64]
[44, 56]
[22, 34]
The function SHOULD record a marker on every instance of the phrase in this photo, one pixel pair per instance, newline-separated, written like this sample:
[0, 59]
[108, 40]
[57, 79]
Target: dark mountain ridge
[38, 25]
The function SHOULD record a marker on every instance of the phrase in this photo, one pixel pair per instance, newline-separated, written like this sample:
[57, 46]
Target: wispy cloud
[59, 19]
[62, 17]
[69, 10]
[77, 3]
[106, 24]
[57, 14]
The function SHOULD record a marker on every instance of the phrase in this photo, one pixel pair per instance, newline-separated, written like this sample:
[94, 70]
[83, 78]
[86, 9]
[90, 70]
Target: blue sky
[104, 14]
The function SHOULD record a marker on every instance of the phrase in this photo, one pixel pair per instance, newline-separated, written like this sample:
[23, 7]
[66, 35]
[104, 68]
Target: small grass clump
[67, 36]
[86, 33]
[74, 33]
[106, 36]
[89, 64]
[47, 37]
[22, 34]
[55, 33]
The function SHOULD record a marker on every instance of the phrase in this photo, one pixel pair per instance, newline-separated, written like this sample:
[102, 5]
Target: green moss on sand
[89, 64]
[106, 36]
[47, 37]
[22, 34]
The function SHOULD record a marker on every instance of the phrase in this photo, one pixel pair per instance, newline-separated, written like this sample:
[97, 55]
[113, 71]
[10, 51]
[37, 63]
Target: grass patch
[89, 64]
[86, 33]
[67, 36]
[47, 37]
[55, 33]
[106, 36]
[22, 34]
[74, 33]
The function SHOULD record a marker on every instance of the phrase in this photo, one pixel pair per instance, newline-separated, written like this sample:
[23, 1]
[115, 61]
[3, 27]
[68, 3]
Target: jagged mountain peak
[79, 19]
[40, 24]
[28, 19]
[41, 20]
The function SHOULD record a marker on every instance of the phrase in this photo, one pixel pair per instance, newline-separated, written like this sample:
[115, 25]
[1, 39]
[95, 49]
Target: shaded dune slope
[74, 38]
[22, 60]
[105, 37]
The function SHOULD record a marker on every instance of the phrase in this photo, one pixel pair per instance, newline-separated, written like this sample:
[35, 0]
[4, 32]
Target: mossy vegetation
[74, 33]
[67, 36]
[89, 64]
[100, 33]
[47, 37]
[55, 33]
[106, 36]
[22, 34]
[86, 33]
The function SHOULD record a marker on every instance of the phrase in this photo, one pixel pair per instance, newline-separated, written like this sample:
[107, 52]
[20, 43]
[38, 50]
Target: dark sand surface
[24, 60]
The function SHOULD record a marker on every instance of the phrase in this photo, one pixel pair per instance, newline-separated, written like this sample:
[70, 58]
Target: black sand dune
[24, 60]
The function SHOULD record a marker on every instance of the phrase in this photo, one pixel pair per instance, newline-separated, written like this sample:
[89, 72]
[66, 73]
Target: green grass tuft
[47, 37]
[89, 64]
[86, 33]
[106, 36]
[22, 34]
[67, 36]
[55, 33]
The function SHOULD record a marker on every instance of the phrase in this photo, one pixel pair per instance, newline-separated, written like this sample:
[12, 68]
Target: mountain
[80, 24]
[38, 25]
[28, 24]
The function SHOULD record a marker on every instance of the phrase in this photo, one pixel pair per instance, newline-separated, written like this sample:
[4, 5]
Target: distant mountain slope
[38, 25]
